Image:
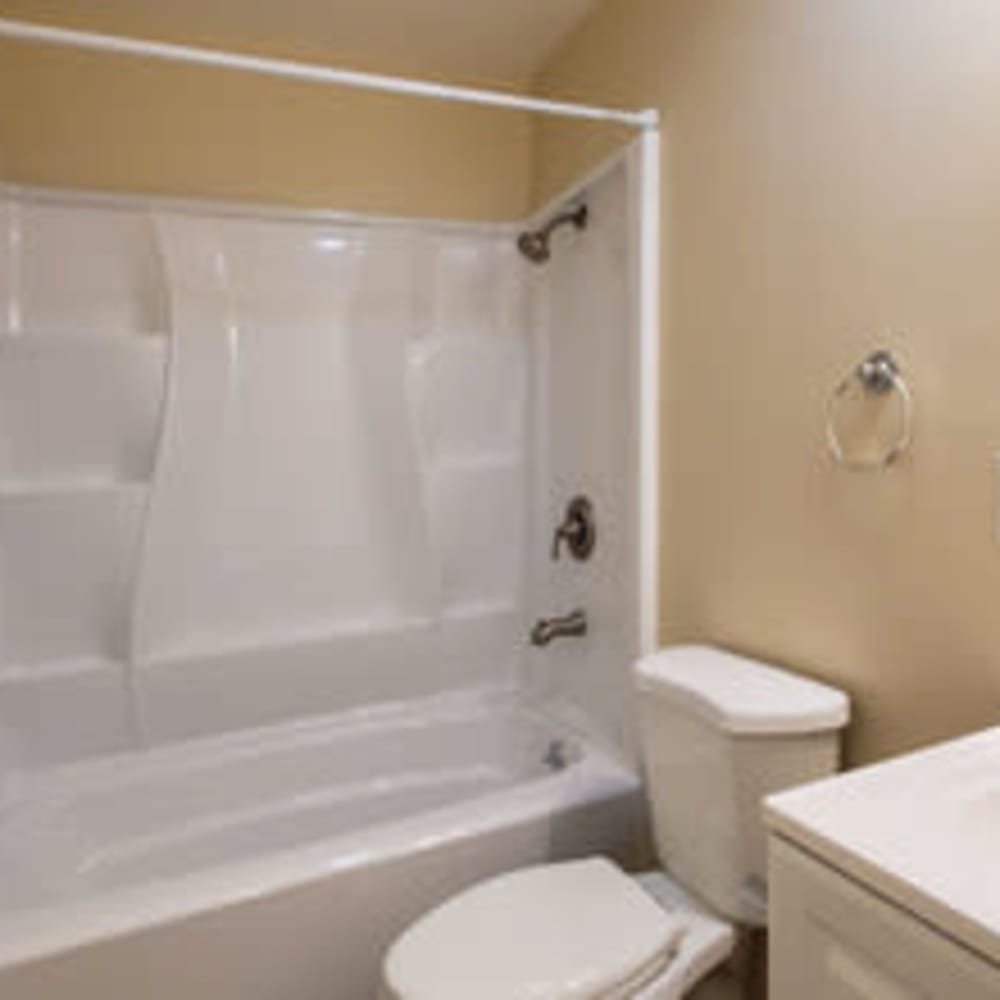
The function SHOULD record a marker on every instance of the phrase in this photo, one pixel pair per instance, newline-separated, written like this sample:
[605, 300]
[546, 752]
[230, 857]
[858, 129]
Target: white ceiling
[505, 41]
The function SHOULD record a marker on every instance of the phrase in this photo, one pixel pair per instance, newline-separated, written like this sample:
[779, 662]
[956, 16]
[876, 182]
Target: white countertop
[922, 830]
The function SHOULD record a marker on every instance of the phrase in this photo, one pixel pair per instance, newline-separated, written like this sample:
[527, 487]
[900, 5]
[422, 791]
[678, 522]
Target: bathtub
[278, 864]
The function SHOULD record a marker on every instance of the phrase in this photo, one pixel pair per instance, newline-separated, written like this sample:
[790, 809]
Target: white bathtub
[278, 864]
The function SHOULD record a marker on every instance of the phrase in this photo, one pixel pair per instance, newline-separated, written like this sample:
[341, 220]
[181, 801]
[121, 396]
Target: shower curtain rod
[122, 45]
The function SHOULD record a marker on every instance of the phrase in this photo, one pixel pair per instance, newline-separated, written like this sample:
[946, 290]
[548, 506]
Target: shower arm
[576, 216]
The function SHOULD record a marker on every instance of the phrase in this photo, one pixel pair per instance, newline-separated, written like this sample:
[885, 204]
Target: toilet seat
[580, 930]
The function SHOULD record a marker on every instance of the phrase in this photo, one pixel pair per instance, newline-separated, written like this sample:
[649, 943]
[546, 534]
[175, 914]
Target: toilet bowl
[719, 732]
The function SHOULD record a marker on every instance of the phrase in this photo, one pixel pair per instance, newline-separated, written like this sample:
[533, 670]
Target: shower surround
[277, 494]
[256, 468]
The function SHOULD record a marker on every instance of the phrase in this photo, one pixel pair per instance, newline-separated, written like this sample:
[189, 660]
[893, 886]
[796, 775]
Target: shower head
[535, 244]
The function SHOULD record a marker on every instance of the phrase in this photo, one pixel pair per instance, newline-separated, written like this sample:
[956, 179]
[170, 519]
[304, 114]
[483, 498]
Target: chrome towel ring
[878, 375]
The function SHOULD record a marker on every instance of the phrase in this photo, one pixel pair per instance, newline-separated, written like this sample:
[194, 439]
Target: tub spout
[547, 629]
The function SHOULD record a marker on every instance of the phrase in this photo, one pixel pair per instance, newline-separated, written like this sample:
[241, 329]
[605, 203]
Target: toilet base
[699, 969]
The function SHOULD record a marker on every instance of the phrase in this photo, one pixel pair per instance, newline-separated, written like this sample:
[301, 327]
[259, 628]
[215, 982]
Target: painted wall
[84, 120]
[832, 183]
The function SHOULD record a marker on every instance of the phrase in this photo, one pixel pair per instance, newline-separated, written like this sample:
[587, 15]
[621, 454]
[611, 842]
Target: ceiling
[502, 41]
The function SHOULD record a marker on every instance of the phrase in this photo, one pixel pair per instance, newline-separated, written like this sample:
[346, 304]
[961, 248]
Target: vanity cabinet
[831, 938]
[885, 880]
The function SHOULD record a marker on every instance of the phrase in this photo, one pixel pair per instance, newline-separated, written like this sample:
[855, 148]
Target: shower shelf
[45, 489]
[68, 666]
[31, 341]
[485, 461]
[39, 347]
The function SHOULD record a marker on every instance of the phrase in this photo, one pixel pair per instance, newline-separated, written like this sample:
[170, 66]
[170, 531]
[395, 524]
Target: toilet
[718, 733]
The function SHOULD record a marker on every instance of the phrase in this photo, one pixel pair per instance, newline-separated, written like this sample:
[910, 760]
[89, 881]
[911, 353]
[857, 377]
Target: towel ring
[878, 375]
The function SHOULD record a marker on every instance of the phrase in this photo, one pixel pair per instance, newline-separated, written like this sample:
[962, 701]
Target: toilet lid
[572, 931]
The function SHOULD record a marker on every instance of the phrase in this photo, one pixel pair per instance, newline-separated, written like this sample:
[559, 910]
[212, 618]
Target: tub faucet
[547, 629]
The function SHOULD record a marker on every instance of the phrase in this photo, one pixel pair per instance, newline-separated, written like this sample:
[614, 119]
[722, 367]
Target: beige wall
[93, 121]
[832, 173]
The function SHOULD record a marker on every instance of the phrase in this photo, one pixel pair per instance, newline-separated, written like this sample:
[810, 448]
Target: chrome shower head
[535, 244]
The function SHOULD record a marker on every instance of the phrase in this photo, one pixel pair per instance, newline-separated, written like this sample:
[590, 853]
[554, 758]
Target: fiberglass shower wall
[586, 315]
[256, 466]
[340, 494]
[251, 467]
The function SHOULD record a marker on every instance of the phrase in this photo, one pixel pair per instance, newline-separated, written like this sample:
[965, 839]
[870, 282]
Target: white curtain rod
[28, 32]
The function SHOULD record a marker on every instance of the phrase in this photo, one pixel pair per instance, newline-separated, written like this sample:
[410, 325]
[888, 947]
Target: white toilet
[719, 732]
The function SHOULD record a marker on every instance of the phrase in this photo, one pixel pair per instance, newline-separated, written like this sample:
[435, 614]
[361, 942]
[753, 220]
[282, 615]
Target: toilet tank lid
[741, 695]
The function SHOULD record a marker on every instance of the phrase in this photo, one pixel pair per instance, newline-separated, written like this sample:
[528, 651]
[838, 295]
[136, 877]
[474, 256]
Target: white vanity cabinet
[833, 939]
[884, 882]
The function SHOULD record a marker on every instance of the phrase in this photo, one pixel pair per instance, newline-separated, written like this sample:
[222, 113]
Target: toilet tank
[719, 732]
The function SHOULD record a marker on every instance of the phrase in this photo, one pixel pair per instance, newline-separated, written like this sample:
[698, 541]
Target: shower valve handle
[578, 530]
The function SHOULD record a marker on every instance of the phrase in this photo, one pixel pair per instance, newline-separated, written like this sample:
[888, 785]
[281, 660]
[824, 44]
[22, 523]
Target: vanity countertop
[922, 830]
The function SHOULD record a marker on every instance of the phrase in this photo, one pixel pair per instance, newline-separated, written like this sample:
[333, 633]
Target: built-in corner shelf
[85, 342]
[80, 414]
[68, 559]
[78, 407]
